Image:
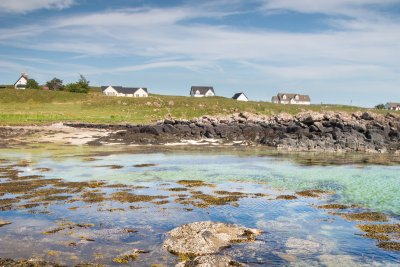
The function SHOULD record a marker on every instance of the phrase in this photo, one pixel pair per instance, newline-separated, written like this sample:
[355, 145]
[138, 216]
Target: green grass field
[28, 107]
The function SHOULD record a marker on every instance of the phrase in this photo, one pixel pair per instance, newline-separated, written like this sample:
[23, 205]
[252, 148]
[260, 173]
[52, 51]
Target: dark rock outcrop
[307, 131]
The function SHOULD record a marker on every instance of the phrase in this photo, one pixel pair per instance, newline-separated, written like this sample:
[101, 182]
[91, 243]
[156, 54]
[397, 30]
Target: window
[284, 97]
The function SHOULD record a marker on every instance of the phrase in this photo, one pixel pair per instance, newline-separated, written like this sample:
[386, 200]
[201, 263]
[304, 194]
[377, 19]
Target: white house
[202, 91]
[240, 97]
[21, 82]
[392, 106]
[293, 99]
[124, 91]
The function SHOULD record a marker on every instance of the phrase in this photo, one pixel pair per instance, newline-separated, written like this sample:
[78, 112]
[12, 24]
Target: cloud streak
[359, 42]
[25, 6]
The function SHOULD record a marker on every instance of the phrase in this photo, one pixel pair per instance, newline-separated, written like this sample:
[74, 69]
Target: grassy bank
[19, 107]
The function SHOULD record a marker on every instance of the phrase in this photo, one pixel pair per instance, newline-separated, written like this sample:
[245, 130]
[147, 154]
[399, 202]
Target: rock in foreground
[203, 238]
[211, 261]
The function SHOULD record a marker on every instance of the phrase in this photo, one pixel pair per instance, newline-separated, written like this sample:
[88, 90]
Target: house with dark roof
[291, 99]
[392, 106]
[202, 91]
[124, 91]
[21, 82]
[240, 97]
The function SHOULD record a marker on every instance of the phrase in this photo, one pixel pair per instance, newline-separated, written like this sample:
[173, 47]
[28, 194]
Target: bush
[32, 84]
[55, 84]
[82, 86]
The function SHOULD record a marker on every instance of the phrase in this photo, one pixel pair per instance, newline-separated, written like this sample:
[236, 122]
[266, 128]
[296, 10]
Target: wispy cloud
[25, 6]
[358, 42]
[336, 7]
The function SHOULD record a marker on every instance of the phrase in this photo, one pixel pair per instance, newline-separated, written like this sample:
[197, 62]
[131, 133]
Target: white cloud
[331, 7]
[25, 6]
[361, 48]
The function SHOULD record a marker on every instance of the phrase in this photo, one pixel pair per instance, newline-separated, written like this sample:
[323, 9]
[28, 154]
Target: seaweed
[129, 197]
[333, 207]
[364, 216]
[390, 245]
[145, 165]
[312, 193]
[192, 183]
[286, 197]
[380, 228]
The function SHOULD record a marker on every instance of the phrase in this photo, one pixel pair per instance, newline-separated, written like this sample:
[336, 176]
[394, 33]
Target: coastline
[304, 132]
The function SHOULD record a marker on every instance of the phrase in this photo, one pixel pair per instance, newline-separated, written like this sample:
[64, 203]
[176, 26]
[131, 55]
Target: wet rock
[2, 223]
[210, 261]
[202, 238]
[306, 131]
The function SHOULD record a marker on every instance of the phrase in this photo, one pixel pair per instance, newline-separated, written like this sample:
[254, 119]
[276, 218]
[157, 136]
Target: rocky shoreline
[307, 131]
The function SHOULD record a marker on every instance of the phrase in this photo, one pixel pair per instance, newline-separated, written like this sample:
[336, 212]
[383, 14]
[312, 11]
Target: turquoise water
[325, 239]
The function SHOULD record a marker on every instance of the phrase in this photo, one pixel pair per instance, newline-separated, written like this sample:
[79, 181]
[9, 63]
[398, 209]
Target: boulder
[211, 261]
[203, 238]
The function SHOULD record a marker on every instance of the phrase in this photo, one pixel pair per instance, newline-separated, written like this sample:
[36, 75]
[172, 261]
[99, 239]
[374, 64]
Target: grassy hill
[19, 107]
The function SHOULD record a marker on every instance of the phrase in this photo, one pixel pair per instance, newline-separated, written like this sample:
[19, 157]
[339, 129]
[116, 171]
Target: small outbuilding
[21, 82]
[240, 97]
[392, 106]
[202, 91]
[124, 91]
[291, 99]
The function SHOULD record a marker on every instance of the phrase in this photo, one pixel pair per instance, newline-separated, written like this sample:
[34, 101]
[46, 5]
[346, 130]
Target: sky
[337, 51]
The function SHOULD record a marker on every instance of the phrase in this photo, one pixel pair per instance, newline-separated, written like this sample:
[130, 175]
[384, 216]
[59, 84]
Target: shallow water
[296, 231]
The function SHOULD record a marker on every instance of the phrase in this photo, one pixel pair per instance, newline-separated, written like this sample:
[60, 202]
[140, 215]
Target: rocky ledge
[199, 243]
[307, 131]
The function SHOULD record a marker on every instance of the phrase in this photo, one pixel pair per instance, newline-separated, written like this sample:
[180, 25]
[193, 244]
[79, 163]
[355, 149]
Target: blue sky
[337, 51]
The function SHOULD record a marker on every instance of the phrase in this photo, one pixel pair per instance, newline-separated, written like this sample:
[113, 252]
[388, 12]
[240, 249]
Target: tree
[83, 82]
[82, 86]
[32, 84]
[380, 106]
[55, 84]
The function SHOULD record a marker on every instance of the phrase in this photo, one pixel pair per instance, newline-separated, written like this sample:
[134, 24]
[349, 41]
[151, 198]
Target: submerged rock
[202, 238]
[210, 261]
[302, 246]
[2, 223]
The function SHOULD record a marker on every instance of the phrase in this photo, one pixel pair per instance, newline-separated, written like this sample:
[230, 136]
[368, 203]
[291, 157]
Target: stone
[203, 238]
[3, 223]
[210, 261]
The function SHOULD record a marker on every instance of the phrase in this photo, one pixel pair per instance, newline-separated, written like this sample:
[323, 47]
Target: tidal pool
[74, 205]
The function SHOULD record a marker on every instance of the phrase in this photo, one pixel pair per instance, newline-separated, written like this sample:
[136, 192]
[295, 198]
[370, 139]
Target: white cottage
[240, 97]
[202, 91]
[124, 91]
[392, 106]
[21, 82]
[293, 99]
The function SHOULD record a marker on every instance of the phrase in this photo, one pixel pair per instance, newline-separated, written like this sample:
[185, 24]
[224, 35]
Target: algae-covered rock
[202, 238]
[210, 261]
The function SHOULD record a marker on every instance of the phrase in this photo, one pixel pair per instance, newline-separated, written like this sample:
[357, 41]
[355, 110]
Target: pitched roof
[202, 89]
[22, 75]
[304, 98]
[237, 95]
[124, 90]
[393, 105]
